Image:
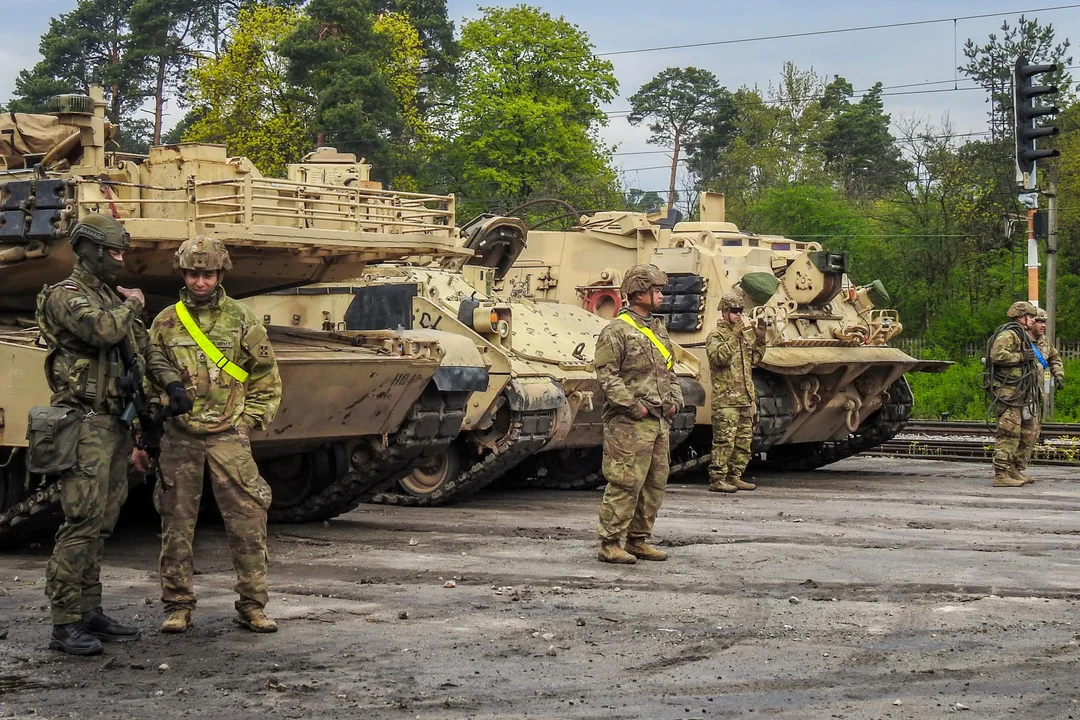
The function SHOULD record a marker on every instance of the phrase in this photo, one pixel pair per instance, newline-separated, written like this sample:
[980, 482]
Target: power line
[835, 31]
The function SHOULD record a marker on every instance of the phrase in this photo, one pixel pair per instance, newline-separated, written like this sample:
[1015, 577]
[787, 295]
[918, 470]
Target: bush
[958, 392]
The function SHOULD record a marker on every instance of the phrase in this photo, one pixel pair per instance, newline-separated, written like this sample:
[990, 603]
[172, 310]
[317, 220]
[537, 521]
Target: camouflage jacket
[83, 322]
[1052, 357]
[732, 353]
[1006, 354]
[632, 370]
[221, 402]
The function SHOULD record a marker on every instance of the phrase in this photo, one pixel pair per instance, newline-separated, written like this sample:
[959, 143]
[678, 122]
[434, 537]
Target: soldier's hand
[670, 409]
[131, 292]
[1028, 354]
[639, 412]
[179, 402]
[1059, 382]
[140, 459]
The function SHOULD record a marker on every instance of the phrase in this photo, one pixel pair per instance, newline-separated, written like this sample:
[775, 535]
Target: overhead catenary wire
[835, 31]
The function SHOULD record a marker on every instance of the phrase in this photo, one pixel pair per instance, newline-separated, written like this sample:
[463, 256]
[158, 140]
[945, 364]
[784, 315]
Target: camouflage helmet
[1020, 309]
[202, 253]
[102, 230]
[1041, 315]
[730, 300]
[640, 278]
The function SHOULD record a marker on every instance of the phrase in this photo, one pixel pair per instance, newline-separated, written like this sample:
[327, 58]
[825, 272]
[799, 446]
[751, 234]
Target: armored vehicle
[538, 420]
[829, 385]
[360, 409]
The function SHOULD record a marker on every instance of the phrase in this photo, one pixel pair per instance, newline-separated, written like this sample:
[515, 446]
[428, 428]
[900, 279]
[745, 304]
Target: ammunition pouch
[53, 434]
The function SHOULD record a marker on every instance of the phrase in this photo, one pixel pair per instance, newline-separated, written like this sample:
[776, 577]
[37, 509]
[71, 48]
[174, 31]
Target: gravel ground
[876, 588]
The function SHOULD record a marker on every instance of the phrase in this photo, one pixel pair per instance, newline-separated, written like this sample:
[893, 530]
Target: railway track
[1059, 443]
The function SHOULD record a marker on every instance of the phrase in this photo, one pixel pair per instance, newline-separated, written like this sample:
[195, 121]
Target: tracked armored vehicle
[359, 409]
[538, 420]
[829, 385]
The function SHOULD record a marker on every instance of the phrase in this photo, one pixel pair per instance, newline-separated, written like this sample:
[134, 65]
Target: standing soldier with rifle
[224, 355]
[84, 323]
[634, 359]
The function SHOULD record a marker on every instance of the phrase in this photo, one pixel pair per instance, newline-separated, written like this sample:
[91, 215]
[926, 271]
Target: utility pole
[1051, 279]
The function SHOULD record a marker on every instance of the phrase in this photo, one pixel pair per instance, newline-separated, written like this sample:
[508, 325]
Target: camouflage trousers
[733, 433]
[91, 495]
[1015, 438]
[242, 497]
[636, 467]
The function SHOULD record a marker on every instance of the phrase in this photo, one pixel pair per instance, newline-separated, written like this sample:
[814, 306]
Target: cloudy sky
[895, 56]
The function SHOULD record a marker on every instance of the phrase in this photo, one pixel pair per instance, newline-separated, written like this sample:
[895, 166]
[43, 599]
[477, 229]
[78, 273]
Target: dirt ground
[874, 588]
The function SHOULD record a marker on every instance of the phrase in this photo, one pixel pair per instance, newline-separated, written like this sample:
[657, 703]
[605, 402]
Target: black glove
[1059, 382]
[179, 402]
[1028, 354]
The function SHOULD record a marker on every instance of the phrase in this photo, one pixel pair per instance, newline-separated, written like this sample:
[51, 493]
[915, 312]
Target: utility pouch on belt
[53, 433]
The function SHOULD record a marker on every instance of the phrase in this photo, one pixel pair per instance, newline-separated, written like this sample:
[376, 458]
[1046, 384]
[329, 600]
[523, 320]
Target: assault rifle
[137, 405]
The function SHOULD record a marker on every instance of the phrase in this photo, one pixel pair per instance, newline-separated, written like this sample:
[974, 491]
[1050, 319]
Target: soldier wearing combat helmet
[634, 361]
[224, 356]
[733, 347]
[90, 329]
[1013, 381]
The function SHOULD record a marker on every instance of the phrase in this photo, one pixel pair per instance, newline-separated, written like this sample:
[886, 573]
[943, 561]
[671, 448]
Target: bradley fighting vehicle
[538, 421]
[829, 385]
[359, 410]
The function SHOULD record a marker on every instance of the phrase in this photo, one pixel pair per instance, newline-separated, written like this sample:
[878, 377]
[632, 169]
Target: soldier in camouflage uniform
[1053, 372]
[84, 322]
[230, 400]
[634, 360]
[1014, 383]
[733, 348]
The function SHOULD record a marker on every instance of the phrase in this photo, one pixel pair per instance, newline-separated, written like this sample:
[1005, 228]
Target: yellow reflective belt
[647, 332]
[212, 353]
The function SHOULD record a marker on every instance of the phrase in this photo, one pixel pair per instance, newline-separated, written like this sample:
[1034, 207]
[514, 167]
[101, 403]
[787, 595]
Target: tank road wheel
[881, 426]
[293, 479]
[434, 473]
[566, 469]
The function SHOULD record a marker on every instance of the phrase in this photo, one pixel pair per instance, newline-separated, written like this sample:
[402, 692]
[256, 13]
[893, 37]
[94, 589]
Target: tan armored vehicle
[359, 410]
[538, 420]
[829, 385]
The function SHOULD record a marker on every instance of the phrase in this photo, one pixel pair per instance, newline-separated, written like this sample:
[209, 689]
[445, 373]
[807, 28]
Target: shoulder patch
[78, 302]
[69, 287]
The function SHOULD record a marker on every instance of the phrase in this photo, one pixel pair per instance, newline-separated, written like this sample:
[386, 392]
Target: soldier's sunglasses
[734, 310]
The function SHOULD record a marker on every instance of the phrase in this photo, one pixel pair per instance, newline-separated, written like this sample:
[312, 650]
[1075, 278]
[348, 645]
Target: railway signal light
[1025, 113]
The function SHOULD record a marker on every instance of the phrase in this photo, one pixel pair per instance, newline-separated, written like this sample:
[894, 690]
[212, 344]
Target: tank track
[543, 475]
[37, 513]
[530, 431]
[883, 425]
[431, 425]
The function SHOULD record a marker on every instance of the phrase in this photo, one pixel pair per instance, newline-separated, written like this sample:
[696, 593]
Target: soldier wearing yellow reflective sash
[221, 350]
[634, 359]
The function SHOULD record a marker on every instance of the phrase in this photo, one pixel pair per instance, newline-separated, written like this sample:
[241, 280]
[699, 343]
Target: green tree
[530, 96]
[336, 56]
[678, 104]
[858, 146]
[243, 99]
[91, 44]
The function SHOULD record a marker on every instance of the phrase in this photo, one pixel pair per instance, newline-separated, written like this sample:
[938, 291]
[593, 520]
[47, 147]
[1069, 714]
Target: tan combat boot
[610, 552]
[741, 484]
[255, 620]
[178, 621]
[1005, 479]
[1015, 472]
[644, 551]
[722, 487]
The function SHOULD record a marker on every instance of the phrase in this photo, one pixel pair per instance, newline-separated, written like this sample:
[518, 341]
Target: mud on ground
[873, 589]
